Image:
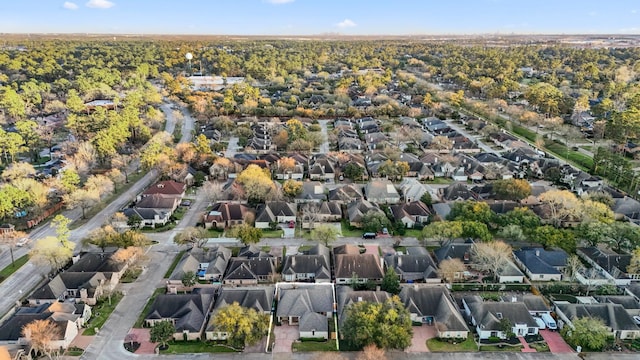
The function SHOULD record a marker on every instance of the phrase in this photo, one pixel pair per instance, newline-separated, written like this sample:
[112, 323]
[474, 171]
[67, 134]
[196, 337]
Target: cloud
[100, 4]
[346, 23]
[279, 2]
[69, 5]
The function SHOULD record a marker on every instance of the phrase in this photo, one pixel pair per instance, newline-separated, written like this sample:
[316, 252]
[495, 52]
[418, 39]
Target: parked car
[369, 235]
[549, 321]
[636, 318]
[540, 323]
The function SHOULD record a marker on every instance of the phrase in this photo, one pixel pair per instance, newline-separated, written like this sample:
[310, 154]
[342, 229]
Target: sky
[311, 17]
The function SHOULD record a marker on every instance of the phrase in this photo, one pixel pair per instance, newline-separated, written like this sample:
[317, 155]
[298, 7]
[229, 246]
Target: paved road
[476, 138]
[231, 147]
[28, 277]
[324, 147]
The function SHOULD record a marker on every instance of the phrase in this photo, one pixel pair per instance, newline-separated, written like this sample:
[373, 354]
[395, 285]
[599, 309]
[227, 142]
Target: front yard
[191, 347]
[101, 312]
[140, 322]
[329, 345]
[437, 345]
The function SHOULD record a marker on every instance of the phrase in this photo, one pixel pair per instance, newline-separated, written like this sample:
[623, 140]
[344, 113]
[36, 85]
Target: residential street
[28, 277]
[324, 147]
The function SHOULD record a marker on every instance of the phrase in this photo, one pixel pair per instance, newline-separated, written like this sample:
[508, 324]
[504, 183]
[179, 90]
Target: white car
[636, 318]
[22, 242]
[540, 323]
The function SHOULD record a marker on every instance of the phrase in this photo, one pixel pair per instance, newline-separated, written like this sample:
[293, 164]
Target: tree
[623, 236]
[194, 236]
[476, 230]
[574, 266]
[374, 221]
[634, 265]
[51, 251]
[17, 171]
[588, 332]
[246, 233]
[325, 234]
[162, 331]
[122, 163]
[84, 199]
[592, 232]
[371, 352]
[441, 143]
[491, 256]
[387, 325]
[426, 198]
[521, 216]
[391, 282]
[512, 189]
[69, 179]
[354, 172]
[471, 211]
[442, 231]
[512, 233]
[244, 326]
[102, 237]
[450, 269]
[11, 238]
[456, 99]
[41, 334]
[257, 184]
[292, 188]
[189, 279]
[562, 204]
[551, 237]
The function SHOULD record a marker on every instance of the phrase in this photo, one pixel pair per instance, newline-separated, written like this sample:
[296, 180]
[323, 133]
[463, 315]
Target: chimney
[537, 252]
[359, 298]
[514, 299]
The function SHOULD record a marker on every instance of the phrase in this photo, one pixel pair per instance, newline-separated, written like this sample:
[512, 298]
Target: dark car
[369, 235]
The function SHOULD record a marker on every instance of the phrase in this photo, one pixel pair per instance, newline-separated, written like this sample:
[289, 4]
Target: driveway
[555, 341]
[231, 147]
[420, 336]
[324, 147]
[285, 336]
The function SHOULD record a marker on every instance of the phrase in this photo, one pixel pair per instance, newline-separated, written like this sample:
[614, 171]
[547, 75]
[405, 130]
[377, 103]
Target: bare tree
[11, 238]
[372, 352]
[491, 256]
[311, 214]
[212, 190]
[41, 334]
[450, 269]
[193, 236]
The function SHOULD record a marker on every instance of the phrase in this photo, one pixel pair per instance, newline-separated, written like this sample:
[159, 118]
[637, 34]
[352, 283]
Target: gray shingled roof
[311, 321]
[316, 262]
[365, 266]
[189, 311]
[433, 301]
[298, 301]
[412, 267]
[487, 314]
[613, 315]
[541, 261]
[347, 296]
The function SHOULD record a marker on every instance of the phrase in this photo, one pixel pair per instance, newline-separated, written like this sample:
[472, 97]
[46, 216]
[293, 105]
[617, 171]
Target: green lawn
[524, 132]
[415, 233]
[517, 348]
[175, 262]
[131, 275]
[583, 161]
[272, 233]
[140, 322]
[11, 268]
[348, 231]
[101, 312]
[435, 345]
[314, 346]
[190, 347]
[439, 180]
[540, 347]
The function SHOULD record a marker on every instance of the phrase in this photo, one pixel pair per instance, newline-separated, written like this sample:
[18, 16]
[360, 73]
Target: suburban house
[614, 316]
[487, 316]
[346, 296]
[411, 213]
[275, 212]
[454, 250]
[167, 188]
[251, 271]
[350, 265]
[611, 264]
[295, 173]
[433, 305]
[326, 211]
[457, 192]
[67, 317]
[187, 312]
[310, 307]
[258, 298]
[357, 209]
[321, 168]
[206, 264]
[312, 191]
[224, 215]
[102, 262]
[540, 264]
[149, 217]
[345, 194]
[509, 273]
[84, 287]
[628, 302]
[413, 190]
[381, 192]
[535, 304]
[313, 266]
[414, 266]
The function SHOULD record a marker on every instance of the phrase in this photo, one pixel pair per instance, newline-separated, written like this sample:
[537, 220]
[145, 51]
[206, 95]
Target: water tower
[189, 56]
